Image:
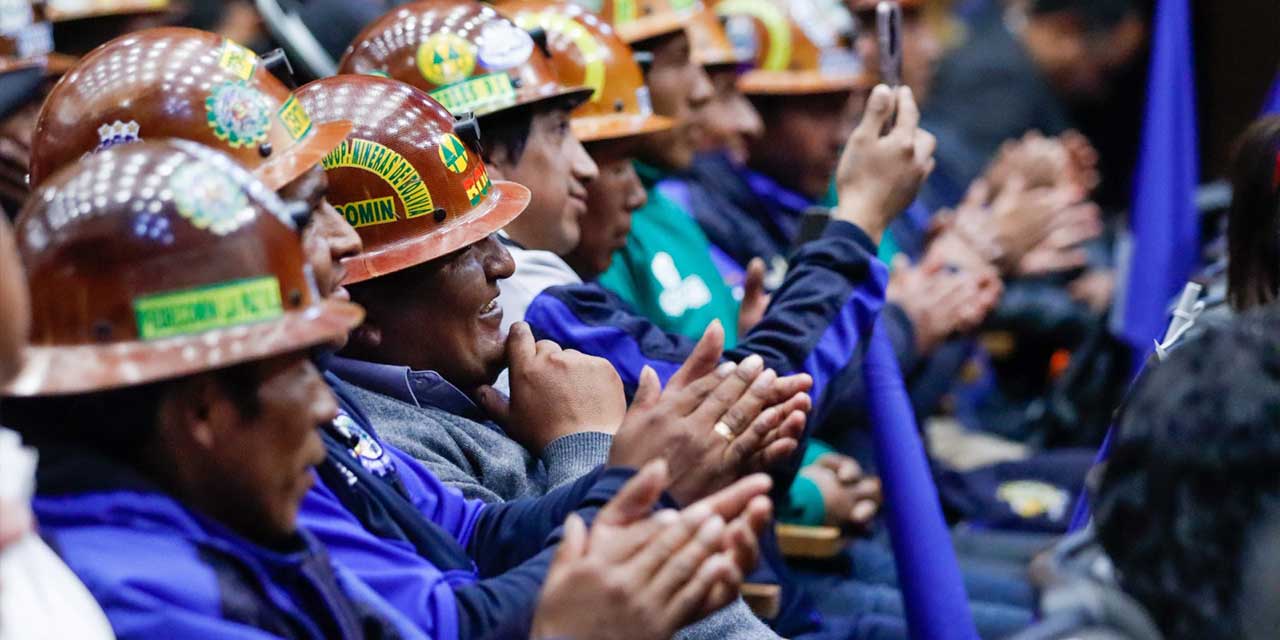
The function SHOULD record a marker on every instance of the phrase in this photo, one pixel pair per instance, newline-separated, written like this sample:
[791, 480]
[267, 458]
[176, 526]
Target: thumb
[704, 358]
[573, 544]
[977, 195]
[635, 500]
[754, 285]
[648, 390]
[494, 403]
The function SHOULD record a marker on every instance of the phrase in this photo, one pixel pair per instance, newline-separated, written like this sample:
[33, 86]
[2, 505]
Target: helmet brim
[298, 159]
[64, 370]
[506, 201]
[612, 127]
[572, 96]
[646, 27]
[759, 82]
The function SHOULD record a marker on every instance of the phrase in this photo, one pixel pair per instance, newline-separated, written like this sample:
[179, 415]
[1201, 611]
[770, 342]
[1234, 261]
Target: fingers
[703, 359]
[977, 196]
[743, 405]
[495, 404]
[730, 501]
[908, 114]
[648, 390]
[520, 346]
[546, 348]
[925, 145]
[727, 392]
[847, 469]
[786, 387]
[573, 543]
[773, 435]
[683, 562]
[715, 585]
[635, 500]
[753, 285]
[879, 109]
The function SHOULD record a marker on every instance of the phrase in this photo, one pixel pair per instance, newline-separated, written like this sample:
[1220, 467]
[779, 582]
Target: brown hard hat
[173, 82]
[795, 45]
[61, 10]
[586, 51]
[158, 260]
[463, 53]
[410, 181]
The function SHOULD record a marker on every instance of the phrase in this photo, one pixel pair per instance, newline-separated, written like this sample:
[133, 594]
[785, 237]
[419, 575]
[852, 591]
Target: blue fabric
[1163, 221]
[1272, 105]
[933, 591]
[457, 568]
[160, 570]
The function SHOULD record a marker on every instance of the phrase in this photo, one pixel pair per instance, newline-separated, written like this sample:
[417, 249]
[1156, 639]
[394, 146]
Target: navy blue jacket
[457, 568]
[160, 570]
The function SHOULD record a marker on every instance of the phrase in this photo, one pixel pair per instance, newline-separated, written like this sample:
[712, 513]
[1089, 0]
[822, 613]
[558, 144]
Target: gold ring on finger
[724, 431]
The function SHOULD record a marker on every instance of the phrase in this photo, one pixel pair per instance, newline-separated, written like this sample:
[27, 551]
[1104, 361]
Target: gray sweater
[482, 462]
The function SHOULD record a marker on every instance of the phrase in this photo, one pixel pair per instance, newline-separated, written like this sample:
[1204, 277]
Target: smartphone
[889, 37]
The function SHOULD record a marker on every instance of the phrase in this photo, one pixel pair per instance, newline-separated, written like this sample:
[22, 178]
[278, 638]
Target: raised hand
[554, 392]
[715, 422]
[640, 575]
[880, 173]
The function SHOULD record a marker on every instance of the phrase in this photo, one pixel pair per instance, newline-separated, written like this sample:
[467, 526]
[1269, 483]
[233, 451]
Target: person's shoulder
[126, 565]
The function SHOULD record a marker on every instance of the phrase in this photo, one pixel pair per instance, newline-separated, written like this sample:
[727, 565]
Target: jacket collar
[79, 485]
[418, 388]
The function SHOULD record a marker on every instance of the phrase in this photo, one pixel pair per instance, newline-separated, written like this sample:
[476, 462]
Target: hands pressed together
[644, 574]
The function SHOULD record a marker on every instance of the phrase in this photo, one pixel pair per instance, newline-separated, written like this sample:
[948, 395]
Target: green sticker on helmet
[479, 95]
[217, 306]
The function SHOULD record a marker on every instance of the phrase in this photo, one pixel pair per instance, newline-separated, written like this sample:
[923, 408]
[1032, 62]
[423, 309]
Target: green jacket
[666, 273]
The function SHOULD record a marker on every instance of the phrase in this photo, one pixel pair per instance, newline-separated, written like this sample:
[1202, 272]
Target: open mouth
[489, 307]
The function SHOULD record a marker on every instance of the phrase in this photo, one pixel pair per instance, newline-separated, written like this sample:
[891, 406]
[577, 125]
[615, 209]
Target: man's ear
[195, 409]
[497, 160]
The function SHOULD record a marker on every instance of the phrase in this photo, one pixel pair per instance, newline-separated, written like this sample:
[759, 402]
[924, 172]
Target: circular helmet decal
[446, 58]
[209, 199]
[504, 45]
[238, 114]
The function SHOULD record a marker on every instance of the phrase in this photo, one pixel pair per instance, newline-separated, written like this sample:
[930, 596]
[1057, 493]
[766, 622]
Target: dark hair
[1193, 469]
[1253, 221]
[509, 130]
[118, 422]
[1097, 14]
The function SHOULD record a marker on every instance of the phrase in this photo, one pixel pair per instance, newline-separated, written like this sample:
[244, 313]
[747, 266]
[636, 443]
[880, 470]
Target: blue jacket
[816, 323]
[160, 570]
[457, 568]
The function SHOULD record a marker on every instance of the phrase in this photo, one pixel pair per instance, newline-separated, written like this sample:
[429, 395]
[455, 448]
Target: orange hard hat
[798, 46]
[180, 83]
[408, 178]
[638, 21]
[586, 51]
[463, 53]
[158, 260]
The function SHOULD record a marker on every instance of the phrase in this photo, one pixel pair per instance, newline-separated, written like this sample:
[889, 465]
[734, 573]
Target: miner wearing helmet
[411, 182]
[172, 283]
